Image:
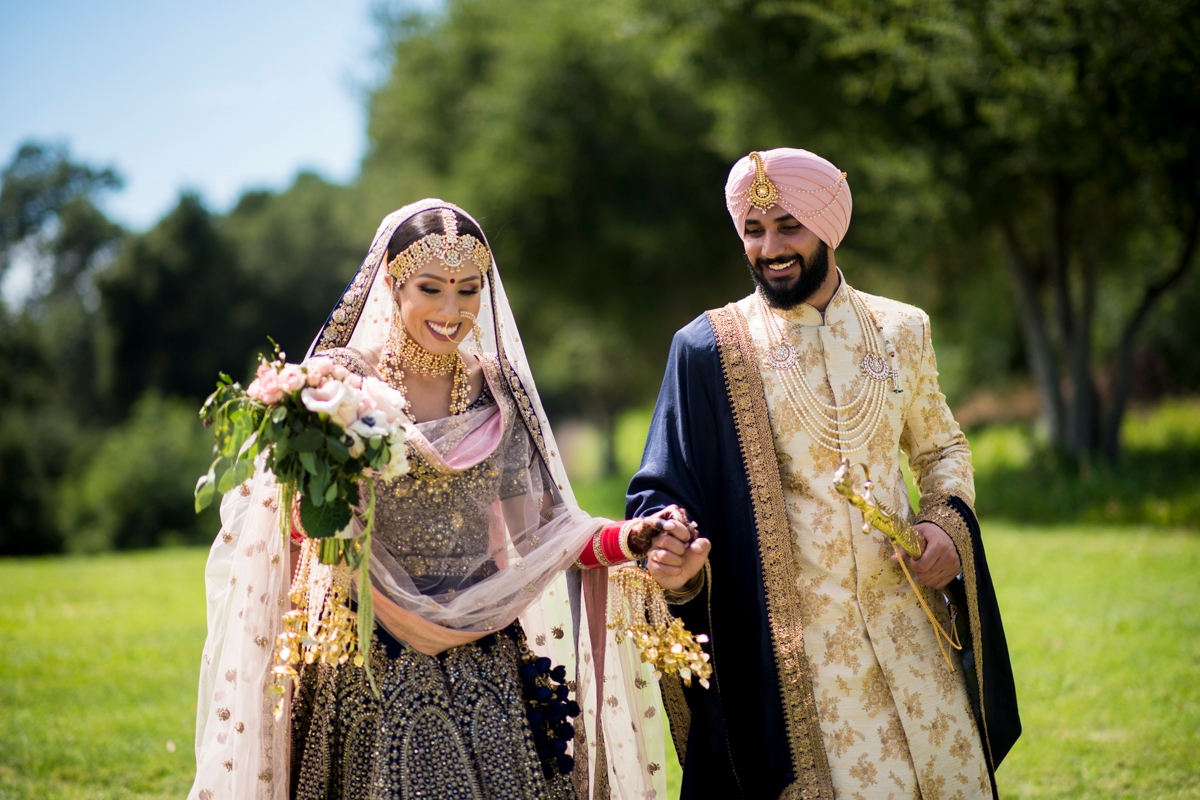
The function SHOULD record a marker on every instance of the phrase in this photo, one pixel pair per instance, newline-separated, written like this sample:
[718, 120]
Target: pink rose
[326, 398]
[340, 373]
[255, 389]
[292, 378]
[388, 402]
[354, 380]
[318, 370]
[263, 369]
[270, 390]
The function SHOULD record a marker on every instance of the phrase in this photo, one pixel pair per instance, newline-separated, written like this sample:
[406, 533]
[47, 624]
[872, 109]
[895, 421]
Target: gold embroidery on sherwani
[746, 397]
[872, 653]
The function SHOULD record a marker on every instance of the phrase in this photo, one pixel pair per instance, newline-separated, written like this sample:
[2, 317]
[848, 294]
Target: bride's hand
[417, 632]
[677, 554]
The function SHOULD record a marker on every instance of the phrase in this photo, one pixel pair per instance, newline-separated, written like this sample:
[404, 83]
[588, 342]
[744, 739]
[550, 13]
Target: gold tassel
[638, 609]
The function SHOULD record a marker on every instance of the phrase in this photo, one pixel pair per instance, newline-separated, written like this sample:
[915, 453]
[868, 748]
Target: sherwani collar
[805, 315]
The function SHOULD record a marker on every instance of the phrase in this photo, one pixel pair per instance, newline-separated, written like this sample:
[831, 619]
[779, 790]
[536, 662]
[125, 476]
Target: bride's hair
[417, 227]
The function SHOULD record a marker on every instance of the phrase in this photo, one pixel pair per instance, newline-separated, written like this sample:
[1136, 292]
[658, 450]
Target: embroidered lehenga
[462, 714]
[479, 536]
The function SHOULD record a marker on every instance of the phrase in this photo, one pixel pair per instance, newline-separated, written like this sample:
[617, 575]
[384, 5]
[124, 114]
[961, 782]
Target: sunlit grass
[98, 675]
[101, 655]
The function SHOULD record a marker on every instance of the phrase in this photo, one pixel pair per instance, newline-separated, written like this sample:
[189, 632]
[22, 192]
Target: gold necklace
[401, 352]
[844, 428]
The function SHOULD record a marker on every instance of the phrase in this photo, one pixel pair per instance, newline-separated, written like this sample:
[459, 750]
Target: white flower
[398, 462]
[389, 403]
[367, 426]
[357, 448]
[326, 398]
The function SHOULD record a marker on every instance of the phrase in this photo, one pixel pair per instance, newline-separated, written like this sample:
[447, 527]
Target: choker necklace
[402, 352]
[843, 428]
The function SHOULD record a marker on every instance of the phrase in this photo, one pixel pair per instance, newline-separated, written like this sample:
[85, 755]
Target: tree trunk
[1123, 362]
[1043, 365]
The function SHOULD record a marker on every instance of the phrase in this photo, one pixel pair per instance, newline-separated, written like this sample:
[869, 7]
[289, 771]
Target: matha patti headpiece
[448, 247]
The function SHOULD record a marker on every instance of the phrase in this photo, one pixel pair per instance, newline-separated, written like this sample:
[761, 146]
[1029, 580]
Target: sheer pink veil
[538, 534]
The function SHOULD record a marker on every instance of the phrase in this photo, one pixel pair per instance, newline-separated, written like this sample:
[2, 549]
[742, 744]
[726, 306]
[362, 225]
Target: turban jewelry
[803, 184]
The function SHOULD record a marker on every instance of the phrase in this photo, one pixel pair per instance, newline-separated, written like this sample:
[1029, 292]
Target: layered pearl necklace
[401, 352]
[844, 428]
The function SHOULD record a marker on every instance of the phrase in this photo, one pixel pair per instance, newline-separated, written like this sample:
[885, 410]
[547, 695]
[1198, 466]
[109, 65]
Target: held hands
[939, 564]
[676, 554]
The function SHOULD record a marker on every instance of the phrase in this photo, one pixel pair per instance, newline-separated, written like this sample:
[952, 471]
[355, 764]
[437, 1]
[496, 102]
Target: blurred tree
[50, 226]
[135, 488]
[298, 249]
[177, 310]
[576, 138]
[1059, 127]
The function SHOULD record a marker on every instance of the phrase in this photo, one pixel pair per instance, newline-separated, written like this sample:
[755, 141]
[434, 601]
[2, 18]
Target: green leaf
[337, 450]
[308, 441]
[240, 471]
[331, 493]
[308, 460]
[325, 521]
[279, 414]
[317, 484]
[206, 487]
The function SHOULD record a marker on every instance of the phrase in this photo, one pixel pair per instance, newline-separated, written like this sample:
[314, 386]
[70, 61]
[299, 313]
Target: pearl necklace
[401, 352]
[844, 428]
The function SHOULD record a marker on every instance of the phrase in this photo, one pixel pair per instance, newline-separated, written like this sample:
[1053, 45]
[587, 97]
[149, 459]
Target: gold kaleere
[638, 609]
[333, 640]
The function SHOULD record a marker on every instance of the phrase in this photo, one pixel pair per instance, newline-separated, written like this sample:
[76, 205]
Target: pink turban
[802, 183]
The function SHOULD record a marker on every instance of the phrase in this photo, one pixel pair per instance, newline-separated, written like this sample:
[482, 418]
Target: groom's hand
[677, 553]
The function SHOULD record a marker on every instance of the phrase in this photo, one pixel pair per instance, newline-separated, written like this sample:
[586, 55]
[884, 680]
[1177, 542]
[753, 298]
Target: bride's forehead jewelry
[449, 247]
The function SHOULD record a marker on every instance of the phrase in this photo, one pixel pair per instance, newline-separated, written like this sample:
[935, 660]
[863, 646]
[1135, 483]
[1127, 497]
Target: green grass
[98, 674]
[101, 655]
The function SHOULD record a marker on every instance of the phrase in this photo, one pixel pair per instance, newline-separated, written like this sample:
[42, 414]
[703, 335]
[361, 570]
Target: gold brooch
[762, 193]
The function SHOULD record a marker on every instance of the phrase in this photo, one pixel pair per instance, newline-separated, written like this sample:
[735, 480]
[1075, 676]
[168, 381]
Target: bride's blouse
[436, 521]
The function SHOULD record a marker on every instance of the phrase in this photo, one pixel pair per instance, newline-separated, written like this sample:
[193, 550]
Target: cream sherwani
[896, 722]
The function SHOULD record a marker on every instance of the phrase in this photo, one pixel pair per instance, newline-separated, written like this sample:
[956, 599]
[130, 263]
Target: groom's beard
[813, 272]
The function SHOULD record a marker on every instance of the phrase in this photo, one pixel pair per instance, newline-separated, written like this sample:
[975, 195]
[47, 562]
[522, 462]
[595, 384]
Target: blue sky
[215, 96]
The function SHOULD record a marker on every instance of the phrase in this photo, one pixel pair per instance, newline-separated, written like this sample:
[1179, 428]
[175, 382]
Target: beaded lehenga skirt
[446, 726]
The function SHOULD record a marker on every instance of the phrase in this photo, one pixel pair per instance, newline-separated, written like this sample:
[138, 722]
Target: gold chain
[401, 352]
[844, 428]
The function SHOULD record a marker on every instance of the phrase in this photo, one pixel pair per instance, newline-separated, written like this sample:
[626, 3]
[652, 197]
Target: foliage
[1053, 130]
[570, 131]
[49, 223]
[1019, 478]
[135, 488]
[297, 248]
[177, 310]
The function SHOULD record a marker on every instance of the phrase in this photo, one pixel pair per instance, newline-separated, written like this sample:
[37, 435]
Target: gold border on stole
[780, 576]
[935, 509]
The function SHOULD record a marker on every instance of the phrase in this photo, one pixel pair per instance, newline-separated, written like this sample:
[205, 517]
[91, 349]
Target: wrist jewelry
[623, 539]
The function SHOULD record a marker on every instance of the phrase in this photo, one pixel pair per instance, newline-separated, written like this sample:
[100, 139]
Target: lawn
[100, 657]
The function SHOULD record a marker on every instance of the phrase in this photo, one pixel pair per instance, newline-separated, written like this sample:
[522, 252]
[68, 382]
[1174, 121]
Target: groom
[829, 677]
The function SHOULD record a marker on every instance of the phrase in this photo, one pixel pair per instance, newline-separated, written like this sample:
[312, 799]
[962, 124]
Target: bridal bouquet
[326, 433]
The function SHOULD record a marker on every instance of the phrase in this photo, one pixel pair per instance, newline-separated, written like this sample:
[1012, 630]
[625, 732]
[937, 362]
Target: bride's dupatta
[536, 530]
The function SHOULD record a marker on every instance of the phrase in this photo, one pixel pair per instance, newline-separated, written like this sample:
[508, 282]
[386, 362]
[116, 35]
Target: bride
[496, 676]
